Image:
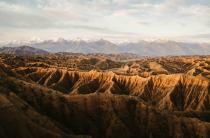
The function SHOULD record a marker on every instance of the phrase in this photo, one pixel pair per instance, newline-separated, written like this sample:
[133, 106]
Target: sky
[116, 20]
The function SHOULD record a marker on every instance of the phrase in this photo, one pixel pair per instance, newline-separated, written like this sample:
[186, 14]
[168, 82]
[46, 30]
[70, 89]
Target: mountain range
[22, 50]
[142, 48]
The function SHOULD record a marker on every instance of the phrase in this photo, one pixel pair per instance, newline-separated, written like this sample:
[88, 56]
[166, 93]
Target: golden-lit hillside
[100, 96]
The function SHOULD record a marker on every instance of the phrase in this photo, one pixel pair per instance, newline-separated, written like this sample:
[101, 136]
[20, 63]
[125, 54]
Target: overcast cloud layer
[110, 19]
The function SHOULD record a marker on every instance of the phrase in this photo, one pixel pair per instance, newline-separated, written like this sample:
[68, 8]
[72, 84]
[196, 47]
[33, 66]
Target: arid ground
[104, 96]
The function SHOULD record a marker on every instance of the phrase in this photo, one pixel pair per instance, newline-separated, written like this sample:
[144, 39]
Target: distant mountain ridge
[141, 48]
[22, 50]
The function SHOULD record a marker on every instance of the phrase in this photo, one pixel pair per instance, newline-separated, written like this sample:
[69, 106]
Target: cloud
[144, 23]
[101, 17]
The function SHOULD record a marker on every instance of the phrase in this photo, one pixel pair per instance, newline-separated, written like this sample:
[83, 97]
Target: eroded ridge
[58, 102]
[171, 92]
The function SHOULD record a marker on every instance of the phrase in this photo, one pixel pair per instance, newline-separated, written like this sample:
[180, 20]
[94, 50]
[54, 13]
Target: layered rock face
[57, 102]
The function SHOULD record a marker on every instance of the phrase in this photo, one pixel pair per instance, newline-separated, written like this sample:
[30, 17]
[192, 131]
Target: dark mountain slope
[22, 50]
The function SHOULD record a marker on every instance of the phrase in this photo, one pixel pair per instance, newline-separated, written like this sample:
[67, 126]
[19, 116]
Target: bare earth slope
[51, 101]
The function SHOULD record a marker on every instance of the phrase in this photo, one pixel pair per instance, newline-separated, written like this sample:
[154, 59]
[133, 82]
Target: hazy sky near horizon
[110, 19]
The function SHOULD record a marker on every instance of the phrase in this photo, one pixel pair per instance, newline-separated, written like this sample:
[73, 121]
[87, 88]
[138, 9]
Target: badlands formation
[104, 96]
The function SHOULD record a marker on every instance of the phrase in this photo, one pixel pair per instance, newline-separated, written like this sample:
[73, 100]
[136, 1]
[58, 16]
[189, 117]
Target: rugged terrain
[142, 48]
[22, 50]
[94, 95]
